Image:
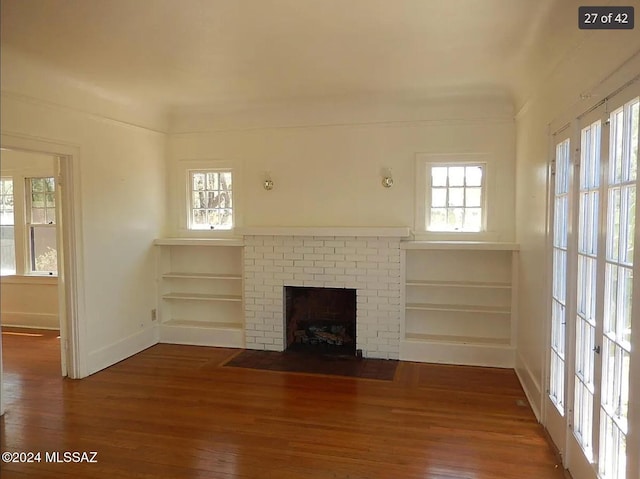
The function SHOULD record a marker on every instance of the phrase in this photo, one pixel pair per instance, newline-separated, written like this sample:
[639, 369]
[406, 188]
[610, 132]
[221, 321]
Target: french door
[591, 363]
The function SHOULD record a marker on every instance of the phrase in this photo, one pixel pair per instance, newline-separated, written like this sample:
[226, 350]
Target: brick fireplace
[368, 264]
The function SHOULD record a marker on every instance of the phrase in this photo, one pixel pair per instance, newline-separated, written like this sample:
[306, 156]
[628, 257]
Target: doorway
[66, 199]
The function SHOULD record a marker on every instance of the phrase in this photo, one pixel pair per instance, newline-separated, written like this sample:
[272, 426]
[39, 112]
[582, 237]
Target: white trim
[530, 385]
[455, 353]
[122, 349]
[30, 320]
[205, 335]
[41, 279]
[71, 278]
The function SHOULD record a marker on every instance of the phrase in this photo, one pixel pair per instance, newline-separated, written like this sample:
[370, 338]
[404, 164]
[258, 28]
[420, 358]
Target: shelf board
[199, 242]
[461, 308]
[182, 323]
[460, 284]
[460, 245]
[442, 338]
[202, 276]
[202, 297]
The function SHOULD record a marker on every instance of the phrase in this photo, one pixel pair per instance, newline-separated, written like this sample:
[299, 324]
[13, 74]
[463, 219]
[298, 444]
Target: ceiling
[181, 53]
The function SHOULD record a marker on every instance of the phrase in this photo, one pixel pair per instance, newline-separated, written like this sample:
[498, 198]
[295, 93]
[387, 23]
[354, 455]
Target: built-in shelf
[202, 324]
[459, 245]
[460, 308]
[200, 291]
[202, 297]
[202, 276]
[459, 284]
[459, 302]
[456, 339]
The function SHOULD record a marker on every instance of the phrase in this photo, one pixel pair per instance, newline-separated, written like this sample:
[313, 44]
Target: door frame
[70, 266]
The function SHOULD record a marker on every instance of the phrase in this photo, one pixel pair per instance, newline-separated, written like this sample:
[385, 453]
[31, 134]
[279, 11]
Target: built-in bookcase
[200, 292]
[459, 302]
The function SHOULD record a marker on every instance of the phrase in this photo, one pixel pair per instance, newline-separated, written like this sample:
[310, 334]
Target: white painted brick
[264, 249]
[283, 262]
[324, 264]
[263, 262]
[334, 244]
[313, 270]
[283, 249]
[272, 241]
[346, 278]
[324, 250]
[324, 277]
[334, 257]
[273, 269]
[303, 249]
[253, 269]
[314, 243]
[355, 257]
[334, 271]
[304, 262]
[314, 257]
[377, 286]
[274, 256]
[355, 244]
[303, 276]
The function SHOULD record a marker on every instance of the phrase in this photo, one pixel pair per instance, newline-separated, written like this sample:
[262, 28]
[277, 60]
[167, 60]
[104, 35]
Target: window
[41, 225]
[210, 206]
[559, 292]
[456, 197]
[7, 228]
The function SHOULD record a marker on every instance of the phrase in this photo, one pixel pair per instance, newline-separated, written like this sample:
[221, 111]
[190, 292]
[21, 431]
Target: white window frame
[30, 226]
[191, 191]
[424, 163]
[13, 223]
[181, 196]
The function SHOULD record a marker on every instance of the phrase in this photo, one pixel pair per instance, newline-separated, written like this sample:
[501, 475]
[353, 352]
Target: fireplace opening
[321, 320]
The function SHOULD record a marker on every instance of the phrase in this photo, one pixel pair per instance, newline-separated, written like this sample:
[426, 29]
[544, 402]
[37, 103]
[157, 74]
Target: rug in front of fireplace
[291, 361]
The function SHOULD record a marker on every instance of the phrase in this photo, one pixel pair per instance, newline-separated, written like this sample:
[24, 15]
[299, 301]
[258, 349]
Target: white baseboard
[530, 385]
[116, 352]
[30, 320]
[460, 354]
[202, 336]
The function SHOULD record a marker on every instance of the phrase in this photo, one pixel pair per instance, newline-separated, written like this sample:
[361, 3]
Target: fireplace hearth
[321, 320]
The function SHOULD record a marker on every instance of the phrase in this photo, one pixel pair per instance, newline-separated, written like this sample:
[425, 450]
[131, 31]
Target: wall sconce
[267, 183]
[387, 178]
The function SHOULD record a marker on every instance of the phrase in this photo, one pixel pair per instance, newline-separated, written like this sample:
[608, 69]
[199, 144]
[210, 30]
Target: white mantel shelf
[396, 232]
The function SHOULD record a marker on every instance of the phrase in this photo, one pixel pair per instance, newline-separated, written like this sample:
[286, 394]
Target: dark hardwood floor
[174, 412]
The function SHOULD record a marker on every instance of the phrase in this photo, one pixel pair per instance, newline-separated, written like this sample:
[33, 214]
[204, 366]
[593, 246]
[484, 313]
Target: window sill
[29, 279]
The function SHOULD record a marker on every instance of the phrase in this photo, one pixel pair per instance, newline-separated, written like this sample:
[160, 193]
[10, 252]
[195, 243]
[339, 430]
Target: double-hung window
[455, 199]
[41, 225]
[7, 228]
[210, 200]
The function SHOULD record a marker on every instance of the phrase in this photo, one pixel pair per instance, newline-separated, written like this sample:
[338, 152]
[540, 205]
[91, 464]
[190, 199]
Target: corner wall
[121, 182]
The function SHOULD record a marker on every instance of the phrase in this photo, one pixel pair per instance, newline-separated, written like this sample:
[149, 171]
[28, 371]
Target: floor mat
[383, 369]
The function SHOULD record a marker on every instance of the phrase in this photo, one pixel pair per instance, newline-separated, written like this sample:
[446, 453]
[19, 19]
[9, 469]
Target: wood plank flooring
[173, 412]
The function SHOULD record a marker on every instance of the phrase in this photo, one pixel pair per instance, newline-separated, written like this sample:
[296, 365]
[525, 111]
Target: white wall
[120, 176]
[598, 67]
[326, 164]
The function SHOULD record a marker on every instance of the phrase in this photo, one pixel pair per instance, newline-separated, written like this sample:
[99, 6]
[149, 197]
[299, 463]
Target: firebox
[321, 320]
